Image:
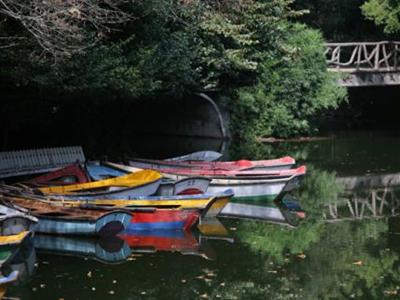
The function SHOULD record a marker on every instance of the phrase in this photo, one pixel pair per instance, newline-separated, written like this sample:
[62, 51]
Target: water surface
[348, 246]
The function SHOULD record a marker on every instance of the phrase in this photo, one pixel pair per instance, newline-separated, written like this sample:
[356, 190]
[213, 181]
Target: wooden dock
[23, 162]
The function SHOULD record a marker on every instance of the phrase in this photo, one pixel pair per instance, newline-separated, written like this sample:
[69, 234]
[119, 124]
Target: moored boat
[264, 185]
[167, 219]
[168, 187]
[14, 221]
[61, 220]
[206, 155]
[142, 183]
[282, 163]
[71, 174]
[210, 205]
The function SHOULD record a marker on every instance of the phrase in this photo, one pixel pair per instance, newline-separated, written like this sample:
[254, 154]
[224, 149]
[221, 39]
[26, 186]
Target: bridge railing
[363, 57]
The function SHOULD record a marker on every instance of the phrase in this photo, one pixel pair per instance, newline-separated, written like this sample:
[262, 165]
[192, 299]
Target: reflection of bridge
[367, 197]
[366, 63]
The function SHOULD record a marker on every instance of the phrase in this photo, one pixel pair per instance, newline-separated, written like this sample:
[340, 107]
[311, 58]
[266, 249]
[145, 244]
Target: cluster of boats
[106, 199]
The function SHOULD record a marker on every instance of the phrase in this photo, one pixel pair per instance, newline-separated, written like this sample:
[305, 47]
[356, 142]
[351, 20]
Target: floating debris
[301, 255]
[390, 292]
[358, 263]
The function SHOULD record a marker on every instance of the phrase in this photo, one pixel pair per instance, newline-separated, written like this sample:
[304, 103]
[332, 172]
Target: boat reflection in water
[118, 249]
[284, 210]
[109, 250]
[184, 242]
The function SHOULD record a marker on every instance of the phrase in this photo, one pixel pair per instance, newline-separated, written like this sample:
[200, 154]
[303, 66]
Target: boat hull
[126, 193]
[265, 189]
[164, 220]
[109, 224]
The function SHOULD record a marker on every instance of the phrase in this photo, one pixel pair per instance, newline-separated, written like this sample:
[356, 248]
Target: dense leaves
[385, 13]
[270, 71]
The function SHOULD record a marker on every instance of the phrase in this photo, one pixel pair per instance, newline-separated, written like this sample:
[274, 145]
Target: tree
[385, 13]
[64, 27]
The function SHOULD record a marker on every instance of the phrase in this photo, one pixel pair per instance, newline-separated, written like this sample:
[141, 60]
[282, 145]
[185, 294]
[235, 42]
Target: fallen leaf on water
[301, 255]
[390, 292]
[34, 289]
[222, 284]
[111, 292]
[211, 274]
[358, 263]
[89, 274]
[233, 228]
[200, 277]
[93, 288]
[114, 281]
[143, 293]
[183, 280]
[42, 285]
[273, 271]
[204, 296]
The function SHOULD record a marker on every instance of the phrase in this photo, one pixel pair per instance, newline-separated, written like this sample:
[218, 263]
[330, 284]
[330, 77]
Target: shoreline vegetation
[266, 58]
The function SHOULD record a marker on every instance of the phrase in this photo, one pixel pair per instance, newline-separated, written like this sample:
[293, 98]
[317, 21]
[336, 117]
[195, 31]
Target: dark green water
[336, 253]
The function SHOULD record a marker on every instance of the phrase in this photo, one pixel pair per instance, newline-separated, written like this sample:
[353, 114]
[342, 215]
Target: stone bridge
[365, 63]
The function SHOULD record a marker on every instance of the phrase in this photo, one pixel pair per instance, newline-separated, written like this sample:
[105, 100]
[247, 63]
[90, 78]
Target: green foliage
[385, 13]
[293, 86]
[273, 71]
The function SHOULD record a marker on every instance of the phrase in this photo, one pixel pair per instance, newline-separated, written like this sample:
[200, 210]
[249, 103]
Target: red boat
[163, 219]
[215, 173]
[68, 175]
[280, 163]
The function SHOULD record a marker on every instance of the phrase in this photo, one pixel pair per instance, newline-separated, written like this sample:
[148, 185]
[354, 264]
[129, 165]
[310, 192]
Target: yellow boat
[211, 205]
[145, 182]
[15, 239]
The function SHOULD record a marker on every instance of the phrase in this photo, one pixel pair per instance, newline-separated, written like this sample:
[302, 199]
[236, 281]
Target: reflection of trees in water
[342, 259]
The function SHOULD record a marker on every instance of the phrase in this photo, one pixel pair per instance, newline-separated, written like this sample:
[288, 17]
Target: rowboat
[75, 174]
[282, 163]
[245, 184]
[168, 187]
[210, 205]
[197, 156]
[163, 219]
[61, 220]
[264, 185]
[71, 174]
[175, 212]
[108, 250]
[13, 222]
[14, 239]
[142, 183]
